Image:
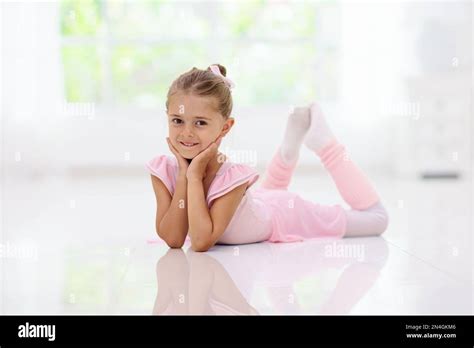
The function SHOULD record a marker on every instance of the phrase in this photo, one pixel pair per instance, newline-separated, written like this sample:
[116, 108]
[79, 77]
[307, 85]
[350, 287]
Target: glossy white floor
[85, 244]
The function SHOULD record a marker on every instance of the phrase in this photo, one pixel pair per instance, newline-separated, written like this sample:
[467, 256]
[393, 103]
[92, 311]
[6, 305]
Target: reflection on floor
[88, 246]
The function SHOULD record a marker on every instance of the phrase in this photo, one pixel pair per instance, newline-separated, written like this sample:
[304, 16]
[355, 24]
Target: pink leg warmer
[278, 174]
[354, 187]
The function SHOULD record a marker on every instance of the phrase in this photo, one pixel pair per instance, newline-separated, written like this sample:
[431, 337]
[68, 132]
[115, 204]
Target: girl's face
[194, 123]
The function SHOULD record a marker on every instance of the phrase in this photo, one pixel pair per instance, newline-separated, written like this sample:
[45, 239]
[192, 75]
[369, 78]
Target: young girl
[201, 194]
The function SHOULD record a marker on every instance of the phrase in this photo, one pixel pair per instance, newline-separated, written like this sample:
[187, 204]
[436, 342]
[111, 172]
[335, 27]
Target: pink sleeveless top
[251, 222]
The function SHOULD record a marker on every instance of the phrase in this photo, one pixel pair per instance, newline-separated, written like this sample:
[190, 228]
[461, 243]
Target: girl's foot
[319, 133]
[296, 128]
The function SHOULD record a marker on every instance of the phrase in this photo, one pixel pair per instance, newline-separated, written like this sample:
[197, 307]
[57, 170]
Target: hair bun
[222, 69]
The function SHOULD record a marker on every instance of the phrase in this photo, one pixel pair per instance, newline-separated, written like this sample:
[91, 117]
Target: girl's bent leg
[368, 217]
[280, 170]
[352, 184]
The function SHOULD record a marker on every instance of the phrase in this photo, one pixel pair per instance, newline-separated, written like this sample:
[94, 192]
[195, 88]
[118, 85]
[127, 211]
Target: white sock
[296, 128]
[319, 133]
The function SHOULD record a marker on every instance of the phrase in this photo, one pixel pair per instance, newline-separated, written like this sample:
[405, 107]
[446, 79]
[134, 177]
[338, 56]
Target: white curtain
[31, 86]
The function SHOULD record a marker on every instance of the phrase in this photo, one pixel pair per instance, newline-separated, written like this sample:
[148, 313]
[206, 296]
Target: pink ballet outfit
[272, 213]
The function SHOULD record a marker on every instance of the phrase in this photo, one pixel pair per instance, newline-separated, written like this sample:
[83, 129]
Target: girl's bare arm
[207, 226]
[172, 212]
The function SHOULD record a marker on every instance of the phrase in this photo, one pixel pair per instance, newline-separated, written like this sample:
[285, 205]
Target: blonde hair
[204, 83]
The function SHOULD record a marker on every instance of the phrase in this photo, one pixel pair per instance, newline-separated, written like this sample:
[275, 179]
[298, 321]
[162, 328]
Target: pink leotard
[276, 215]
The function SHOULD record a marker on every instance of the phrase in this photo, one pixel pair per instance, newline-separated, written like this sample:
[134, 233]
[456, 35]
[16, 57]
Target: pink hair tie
[215, 69]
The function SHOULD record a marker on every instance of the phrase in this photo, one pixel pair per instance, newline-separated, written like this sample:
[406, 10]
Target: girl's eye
[179, 121]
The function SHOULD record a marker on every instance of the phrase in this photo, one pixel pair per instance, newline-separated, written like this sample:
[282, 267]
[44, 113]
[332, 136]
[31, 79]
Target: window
[128, 53]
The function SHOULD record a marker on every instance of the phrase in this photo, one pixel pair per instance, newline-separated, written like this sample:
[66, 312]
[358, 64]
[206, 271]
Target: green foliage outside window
[129, 52]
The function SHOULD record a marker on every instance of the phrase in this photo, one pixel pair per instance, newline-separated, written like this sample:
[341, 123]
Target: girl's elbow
[199, 249]
[172, 242]
[201, 246]
[175, 244]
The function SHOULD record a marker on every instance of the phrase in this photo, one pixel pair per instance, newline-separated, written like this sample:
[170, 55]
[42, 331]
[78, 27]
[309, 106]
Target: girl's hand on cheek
[197, 168]
[182, 162]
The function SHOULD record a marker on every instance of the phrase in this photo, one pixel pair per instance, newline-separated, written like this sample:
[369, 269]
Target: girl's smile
[188, 145]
